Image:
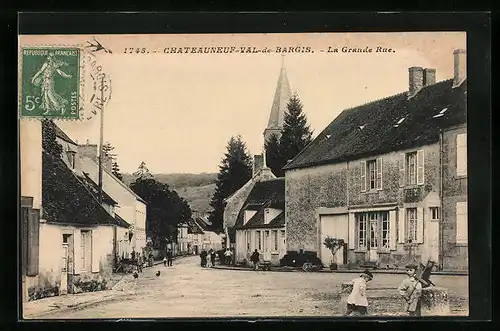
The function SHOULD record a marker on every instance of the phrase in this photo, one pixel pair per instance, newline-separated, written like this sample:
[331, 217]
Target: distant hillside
[197, 189]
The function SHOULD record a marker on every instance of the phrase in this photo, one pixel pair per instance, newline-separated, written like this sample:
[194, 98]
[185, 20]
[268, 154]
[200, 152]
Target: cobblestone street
[187, 290]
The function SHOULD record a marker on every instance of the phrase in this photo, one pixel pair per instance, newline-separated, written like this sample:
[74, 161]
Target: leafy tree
[234, 171]
[295, 135]
[116, 171]
[165, 209]
[49, 142]
[333, 244]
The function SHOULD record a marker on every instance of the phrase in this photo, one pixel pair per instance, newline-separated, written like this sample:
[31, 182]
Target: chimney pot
[459, 66]
[416, 80]
[429, 77]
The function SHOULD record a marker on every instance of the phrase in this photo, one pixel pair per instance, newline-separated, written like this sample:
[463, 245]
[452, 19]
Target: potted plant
[333, 244]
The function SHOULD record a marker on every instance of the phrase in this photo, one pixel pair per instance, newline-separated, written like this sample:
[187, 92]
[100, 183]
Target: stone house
[388, 177]
[261, 223]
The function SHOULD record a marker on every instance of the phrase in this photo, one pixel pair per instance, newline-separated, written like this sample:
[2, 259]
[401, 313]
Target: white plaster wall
[30, 135]
[51, 252]
[102, 246]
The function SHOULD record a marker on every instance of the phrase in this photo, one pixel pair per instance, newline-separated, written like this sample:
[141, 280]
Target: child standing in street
[411, 290]
[357, 303]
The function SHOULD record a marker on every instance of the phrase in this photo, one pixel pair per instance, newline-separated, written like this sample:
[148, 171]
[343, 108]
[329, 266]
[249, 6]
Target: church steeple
[281, 96]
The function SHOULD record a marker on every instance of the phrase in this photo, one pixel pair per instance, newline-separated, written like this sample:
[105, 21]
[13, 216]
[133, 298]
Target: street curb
[43, 315]
[390, 272]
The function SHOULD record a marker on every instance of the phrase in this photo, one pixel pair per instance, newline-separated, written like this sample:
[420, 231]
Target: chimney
[88, 150]
[258, 163]
[429, 77]
[459, 66]
[416, 80]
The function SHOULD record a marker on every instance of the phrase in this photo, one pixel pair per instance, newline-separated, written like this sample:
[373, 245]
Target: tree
[333, 244]
[274, 159]
[234, 171]
[107, 148]
[49, 141]
[142, 171]
[116, 171]
[295, 135]
[164, 211]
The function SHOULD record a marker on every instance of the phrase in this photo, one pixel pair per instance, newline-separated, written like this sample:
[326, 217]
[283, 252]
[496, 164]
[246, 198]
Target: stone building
[389, 177]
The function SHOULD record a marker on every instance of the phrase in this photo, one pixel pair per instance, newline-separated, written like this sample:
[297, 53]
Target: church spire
[281, 96]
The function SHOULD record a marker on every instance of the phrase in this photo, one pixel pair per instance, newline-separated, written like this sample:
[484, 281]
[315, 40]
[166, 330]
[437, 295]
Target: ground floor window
[411, 224]
[275, 235]
[86, 250]
[372, 230]
[259, 240]
[249, 239]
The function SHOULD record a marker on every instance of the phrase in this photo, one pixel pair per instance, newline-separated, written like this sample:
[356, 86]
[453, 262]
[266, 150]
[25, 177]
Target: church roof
[281, 97]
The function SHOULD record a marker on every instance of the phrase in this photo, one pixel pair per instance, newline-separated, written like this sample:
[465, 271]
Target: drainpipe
[441, 199]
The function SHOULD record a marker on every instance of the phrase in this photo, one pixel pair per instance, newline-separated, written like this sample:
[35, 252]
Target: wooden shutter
[420, 167]
[77, 248]
[363, 176]
[420, 225]
[462, 226]
[379, 173]
[402, 172]
[392, 229]
[25, 215]
[352, 231]
[461, 154]
[33, 242]
[402, 226]
[94, 250]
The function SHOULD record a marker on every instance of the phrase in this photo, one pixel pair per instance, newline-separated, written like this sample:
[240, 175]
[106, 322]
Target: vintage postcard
[243, 175]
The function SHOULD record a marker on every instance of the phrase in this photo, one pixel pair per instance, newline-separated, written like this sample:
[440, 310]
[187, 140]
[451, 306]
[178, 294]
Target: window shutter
[24, 239]
[462, 226]
[402, 160]
[420, 167]
[77, 251]
[352, 231]
[461, 154]
[33, 242]
[94, 251]
[402, 226]
[392, 229]
[379, 173]
[420, 225]
[363, 176]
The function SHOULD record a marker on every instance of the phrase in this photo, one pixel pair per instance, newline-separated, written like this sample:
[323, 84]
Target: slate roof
[95, 190]
[66, 199]
[194, 227]
[121, 222]
[265, 194]
[343, 140]
[61, 134]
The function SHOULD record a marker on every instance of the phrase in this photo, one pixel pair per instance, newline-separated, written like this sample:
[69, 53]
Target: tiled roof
[95, 190]
[194, 227]
[265, 194]
[66, 200]
[386, 125]
[61, 134]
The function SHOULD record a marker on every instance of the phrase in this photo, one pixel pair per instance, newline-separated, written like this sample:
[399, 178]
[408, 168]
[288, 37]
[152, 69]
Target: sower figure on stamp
[357, 303]
[411, 290]
[50, 99]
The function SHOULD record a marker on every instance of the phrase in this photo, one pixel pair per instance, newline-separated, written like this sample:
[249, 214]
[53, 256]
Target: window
[362, 231]
[86, 253]
[385, 230]
[249, 239]
[462, 231]
[259, 241]
[371, 175]
[434, 213]
[266, 241]
[275, 235]
[462, 154]
[373, 231]
[411, 221]
[411, 168]
[71, 158]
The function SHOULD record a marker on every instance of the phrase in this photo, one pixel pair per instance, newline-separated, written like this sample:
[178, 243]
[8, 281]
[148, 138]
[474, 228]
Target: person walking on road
[411, 290]
[212, 257]
[139, 262]
[203, 257]
[357, 303]
[228, 256]
[255, 258]
[169, 257]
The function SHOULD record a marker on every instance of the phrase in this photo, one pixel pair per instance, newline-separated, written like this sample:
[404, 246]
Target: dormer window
[399, 122]
[71, 158]
[441, 113]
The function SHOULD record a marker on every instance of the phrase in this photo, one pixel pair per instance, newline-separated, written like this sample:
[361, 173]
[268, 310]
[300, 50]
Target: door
[334, 226]
[66, 263]
[373, 239]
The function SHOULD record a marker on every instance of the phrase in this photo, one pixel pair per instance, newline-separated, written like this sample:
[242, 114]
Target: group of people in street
[207, 258]
[167, 260]
[410, 290]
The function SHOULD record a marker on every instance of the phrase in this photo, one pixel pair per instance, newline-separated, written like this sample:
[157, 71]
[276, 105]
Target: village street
[187, 290]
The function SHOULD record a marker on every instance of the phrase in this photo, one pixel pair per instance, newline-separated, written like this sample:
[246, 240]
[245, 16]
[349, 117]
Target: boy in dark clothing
[255, 259]
[212, 257]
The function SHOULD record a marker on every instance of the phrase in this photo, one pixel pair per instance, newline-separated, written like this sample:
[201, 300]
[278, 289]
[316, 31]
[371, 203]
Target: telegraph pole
[101, 141]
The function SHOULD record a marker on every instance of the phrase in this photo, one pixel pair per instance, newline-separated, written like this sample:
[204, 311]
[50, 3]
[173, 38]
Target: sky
[176, 112]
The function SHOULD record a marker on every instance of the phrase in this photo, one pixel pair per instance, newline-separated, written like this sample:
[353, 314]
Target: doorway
[334, 226]
[67, 262]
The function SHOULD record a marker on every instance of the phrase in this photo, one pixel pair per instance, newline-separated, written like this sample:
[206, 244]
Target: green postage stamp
[50, 82]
